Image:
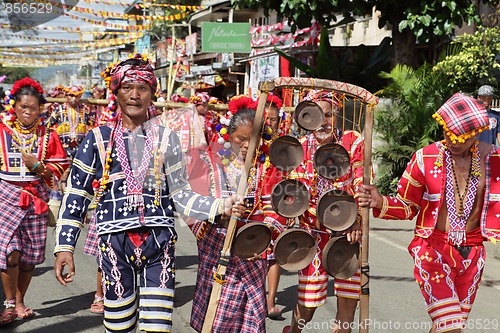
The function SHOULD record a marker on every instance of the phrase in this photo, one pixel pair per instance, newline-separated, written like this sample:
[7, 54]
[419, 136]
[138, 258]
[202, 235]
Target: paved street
[395, 302]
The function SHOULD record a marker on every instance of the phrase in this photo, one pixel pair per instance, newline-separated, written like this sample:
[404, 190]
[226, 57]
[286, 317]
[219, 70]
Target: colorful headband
[117, 74]
[200, 98]
[240, 102]
[462, 117]
[74, 90]
[56, 91]
[23, 83]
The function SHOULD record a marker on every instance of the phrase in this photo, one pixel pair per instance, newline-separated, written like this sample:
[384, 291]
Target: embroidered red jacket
[421, 189]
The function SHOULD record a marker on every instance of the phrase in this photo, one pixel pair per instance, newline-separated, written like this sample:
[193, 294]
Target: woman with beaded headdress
[244, 279]
[137, 171]
[452, 188]
[32, 156]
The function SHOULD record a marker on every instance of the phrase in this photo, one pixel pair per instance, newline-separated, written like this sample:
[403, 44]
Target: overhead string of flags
[76, 49]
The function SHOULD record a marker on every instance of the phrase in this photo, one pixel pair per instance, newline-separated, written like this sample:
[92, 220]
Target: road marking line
[385, 240]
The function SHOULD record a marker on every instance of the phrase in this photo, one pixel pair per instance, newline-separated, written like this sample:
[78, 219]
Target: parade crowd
[128, 169]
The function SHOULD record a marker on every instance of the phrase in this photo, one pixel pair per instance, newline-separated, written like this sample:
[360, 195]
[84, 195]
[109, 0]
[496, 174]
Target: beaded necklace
[461, 196]
[100, 185]
[134, 178]
[458, 217]
[115, 124]
[75, 118]
[24, 137]
[158, 162]
[26, 129]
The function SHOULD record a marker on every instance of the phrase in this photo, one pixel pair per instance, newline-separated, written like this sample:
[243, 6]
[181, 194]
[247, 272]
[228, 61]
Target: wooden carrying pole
[364, 308]
[168, 105]
[219, 274]
[171, 68]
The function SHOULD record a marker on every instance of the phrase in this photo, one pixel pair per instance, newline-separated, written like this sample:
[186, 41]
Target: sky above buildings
[58, 34]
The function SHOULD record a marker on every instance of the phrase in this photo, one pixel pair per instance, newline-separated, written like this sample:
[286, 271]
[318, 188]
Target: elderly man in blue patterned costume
[137, 171]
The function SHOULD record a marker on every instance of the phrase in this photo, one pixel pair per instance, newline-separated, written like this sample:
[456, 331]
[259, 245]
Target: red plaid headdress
[120, 73]
[322, 95]
[462, 117]
[117, 74]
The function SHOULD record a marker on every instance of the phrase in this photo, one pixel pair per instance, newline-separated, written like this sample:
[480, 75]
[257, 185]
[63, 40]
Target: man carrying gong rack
[337, 186]
[331, 169]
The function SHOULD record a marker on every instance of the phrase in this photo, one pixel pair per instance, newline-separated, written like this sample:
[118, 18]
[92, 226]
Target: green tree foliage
[428, 22]
[15, 73]
[472, 60]
[403, 120]
[162, 29]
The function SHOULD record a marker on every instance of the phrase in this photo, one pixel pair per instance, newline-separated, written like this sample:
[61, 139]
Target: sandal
[7, 318]
[98, 305]
[24, 313]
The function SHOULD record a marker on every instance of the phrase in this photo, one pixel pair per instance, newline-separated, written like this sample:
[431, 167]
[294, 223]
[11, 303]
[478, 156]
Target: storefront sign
[225, 37]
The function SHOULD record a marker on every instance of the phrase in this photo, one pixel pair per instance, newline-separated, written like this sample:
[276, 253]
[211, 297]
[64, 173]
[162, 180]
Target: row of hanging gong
[336, 210]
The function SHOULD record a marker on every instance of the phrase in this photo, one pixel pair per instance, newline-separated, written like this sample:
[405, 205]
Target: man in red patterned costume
[313, 280]
[452, 187]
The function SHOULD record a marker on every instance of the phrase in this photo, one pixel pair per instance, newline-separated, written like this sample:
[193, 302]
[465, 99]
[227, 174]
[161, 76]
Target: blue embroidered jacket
[112, 212]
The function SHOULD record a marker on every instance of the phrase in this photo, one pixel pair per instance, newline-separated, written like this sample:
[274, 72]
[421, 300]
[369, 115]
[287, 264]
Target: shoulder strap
[45, 142]
[100, 145]
[165, 140]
